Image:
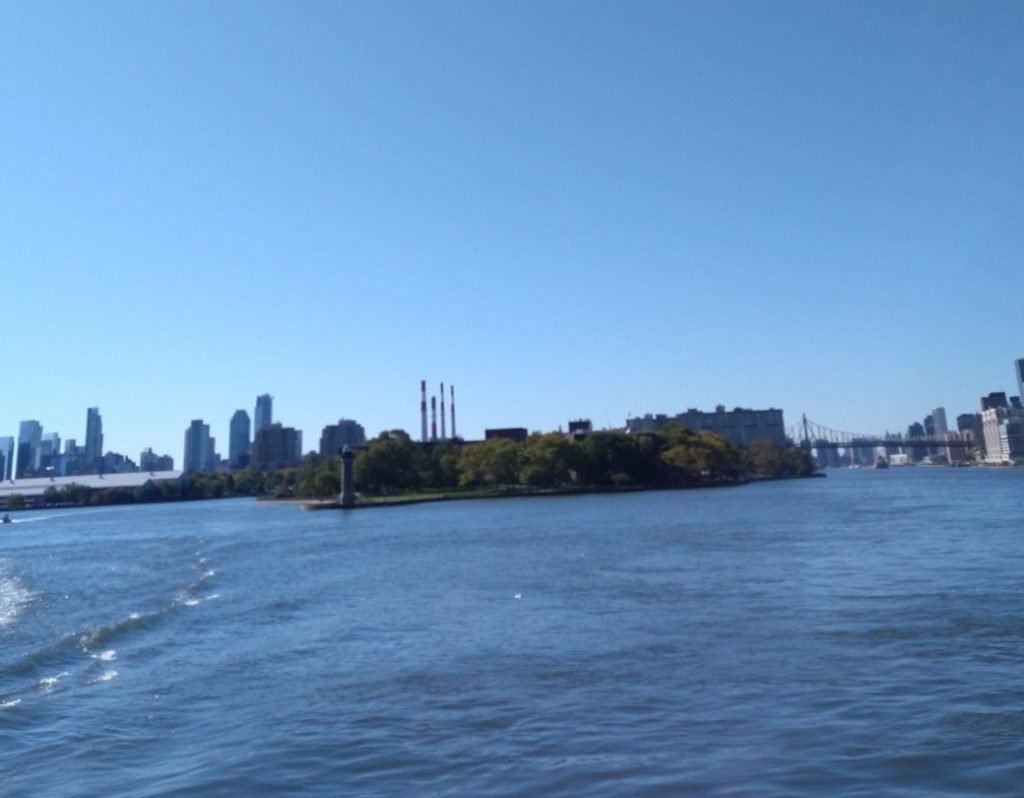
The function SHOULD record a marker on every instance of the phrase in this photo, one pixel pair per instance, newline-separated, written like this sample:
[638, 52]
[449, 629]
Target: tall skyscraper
[239, 440]
[6, 458]
[1020, 377]
[93, 438]
[264, 416]
[336, 437]
[49, 453]
[276, 447]
[198, 446]
[939, 421]
[30, 435]
[994, 400]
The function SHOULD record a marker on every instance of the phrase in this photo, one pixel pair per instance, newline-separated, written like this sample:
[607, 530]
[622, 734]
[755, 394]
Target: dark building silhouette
[580, 428]
[200, 454]
[275, 446]
[994, 400]
[510, 433]
[264, 415]
[336, 437]
[93, 440]
[239, 440]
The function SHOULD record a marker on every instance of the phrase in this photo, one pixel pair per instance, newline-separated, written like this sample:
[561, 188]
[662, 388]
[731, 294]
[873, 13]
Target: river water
[856, 635]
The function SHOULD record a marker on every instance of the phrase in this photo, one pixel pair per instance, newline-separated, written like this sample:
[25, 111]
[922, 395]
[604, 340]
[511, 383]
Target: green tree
[549, 461]
[15, 501]
[700, 459]
[113, 496]
[726, 461]
[494, 462]
[765, 458]
[617, 458]
[319, 477]
[797, 461]
[685, 464]
[170, 489]
[768, 460]
[249, 482]
[441, 465]
[148, 492]
[391, 462]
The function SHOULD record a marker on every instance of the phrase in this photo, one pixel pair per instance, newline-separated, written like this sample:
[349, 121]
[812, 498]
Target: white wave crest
[13, 596]
[10, 703]
[51, 681]
[106, 676]
[106, 656]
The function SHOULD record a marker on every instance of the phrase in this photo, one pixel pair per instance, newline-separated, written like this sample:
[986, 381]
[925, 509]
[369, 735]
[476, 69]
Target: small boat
[6, 519]
[881, 462]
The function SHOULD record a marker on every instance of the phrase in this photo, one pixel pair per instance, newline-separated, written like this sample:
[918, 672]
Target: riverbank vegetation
[674, 457]
[393, 464]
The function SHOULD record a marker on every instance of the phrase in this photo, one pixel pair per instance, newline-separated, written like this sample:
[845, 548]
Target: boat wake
[60, 665]
[13, 596]
[32, 519]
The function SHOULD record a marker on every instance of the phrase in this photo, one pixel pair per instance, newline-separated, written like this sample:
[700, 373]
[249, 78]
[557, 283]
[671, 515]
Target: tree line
[393, 463]
[671, 457]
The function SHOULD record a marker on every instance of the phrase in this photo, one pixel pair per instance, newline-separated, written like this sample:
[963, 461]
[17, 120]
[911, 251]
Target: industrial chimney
[442, 411]
[423, 411]
[453, 410]
[433, 418]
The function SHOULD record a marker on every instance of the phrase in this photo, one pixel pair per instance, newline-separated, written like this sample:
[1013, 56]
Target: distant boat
[881, 462]
[7, 518]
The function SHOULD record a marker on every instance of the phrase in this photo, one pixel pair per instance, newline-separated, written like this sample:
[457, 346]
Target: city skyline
[199, 451]
[570, 210]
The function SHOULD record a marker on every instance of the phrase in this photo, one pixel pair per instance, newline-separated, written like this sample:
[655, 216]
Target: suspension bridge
[812, 435]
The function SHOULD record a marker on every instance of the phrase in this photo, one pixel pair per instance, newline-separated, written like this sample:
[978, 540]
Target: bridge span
[811, 435]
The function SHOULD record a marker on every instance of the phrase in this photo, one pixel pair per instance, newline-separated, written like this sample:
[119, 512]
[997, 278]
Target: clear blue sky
[567, 209]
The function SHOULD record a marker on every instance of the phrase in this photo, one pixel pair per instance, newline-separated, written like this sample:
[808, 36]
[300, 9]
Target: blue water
[856, 635]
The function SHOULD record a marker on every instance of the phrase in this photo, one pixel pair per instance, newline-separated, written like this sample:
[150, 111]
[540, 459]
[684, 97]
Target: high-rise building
[6, 458]
[49, 454]
[264, 416]
[740, 426]
[1004, 434]
[73, 459]
[198, 446]
[93, 438]
[939, 421]
[275, 446]
[336, 437]
[150, 461]
[1020, 376]
[239, 440]
[30, 435]
[994, 400]
[117, 463]
[969, 424]
[916, 430]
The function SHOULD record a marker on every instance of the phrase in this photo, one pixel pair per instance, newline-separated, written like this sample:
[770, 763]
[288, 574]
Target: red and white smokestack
[433, 418]
[442, 411]
[423, 410]
[453, 410]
